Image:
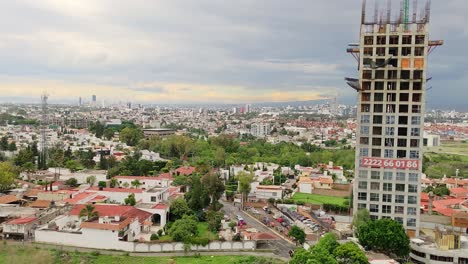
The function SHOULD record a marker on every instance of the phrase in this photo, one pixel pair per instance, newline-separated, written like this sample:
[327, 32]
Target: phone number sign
[390, 163]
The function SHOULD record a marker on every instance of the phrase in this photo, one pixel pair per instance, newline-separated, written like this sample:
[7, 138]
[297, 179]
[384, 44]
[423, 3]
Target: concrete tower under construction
[392, 59]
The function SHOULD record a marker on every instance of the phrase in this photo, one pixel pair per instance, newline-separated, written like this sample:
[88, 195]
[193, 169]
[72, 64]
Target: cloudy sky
[196, 51]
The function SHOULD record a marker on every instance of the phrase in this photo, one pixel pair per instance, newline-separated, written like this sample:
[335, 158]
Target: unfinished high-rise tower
[392, 60]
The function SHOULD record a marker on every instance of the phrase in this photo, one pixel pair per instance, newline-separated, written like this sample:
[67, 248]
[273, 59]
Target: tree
[4, 143]
[361, 218]
[178, 209]
[24, 156]
[320, 255]
[385, 235]
[328, 242]
[130, 200]
[350, 253]
[213, 219]
[91, 180]
[29, 168]
[109, 133]
[245, 179]
[131, 136]
[197, 198]
[102, 184]
[88, 212]
[298, 234]
[301, 256]
[220, 157]
[12, 146]
[114, 183]
[72, 165]
[136, 183]
[184, 229]
[8, 174]
[214, 186]
[72, 182]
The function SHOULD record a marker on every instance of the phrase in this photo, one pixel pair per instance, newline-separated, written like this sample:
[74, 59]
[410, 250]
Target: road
[280, 246]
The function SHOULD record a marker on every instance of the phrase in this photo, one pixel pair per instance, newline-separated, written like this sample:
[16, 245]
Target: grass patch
[204, 232]
[456, 148]
[318, 199]
[18, 254]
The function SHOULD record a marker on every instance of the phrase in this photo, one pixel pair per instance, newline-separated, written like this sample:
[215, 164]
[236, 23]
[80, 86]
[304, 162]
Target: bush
[236, 237]
[160, 232]
[288, 201]
[335, 208]
[154, 237]
[271, 200]
[200, 241]
[300, 202]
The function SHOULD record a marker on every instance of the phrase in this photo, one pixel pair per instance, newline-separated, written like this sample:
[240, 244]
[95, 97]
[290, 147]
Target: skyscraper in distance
[392, 61]
[93, 98]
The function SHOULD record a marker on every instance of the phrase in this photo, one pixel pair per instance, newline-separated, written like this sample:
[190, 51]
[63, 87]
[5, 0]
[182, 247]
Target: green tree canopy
[350, 253]
[297, 233]
[72, 182]
[245, 179]
[361, 218]
[213, 219]
[131, 136]
[214, 186]
[8, 174]
[385, 235]
[179, 208]
[130, 200]
[88, 212]
[184, 229]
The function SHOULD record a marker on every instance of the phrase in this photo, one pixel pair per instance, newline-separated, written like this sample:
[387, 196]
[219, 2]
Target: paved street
[280, 246]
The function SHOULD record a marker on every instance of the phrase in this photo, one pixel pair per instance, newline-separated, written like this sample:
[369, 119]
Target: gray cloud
[266, 45]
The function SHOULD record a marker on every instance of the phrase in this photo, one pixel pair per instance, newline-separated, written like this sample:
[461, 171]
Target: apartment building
[392, 58]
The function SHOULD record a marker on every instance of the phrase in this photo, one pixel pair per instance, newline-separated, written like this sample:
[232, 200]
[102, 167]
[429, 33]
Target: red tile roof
[77, 198]
[160, 206]
[164, 176]
[21, 221]
[424, 197]
[6, 199]
[40, 204]
[114, 210]
[185, 170]
[459, 191]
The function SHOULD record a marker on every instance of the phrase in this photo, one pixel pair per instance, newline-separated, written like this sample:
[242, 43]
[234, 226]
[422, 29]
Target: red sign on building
[390, 163]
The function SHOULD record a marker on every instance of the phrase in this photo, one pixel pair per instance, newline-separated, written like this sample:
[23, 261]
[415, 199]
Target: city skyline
[203, 52]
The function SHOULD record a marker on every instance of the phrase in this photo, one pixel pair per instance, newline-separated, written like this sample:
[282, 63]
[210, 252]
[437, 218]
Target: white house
[151, 156]
[115, 223]
[19, 227]
[163, 180]
[268, 191]
[305, 185]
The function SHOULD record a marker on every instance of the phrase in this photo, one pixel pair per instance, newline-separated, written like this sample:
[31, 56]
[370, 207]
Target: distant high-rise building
[247, 108]
[392, 56]
[93, 99]
[260, 129]
[79, 101]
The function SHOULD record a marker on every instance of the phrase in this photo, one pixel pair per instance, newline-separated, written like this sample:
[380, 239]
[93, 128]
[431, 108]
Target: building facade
[392, 57]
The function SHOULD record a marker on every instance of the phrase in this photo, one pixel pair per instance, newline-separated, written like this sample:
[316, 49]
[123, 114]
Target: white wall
[102, 240]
